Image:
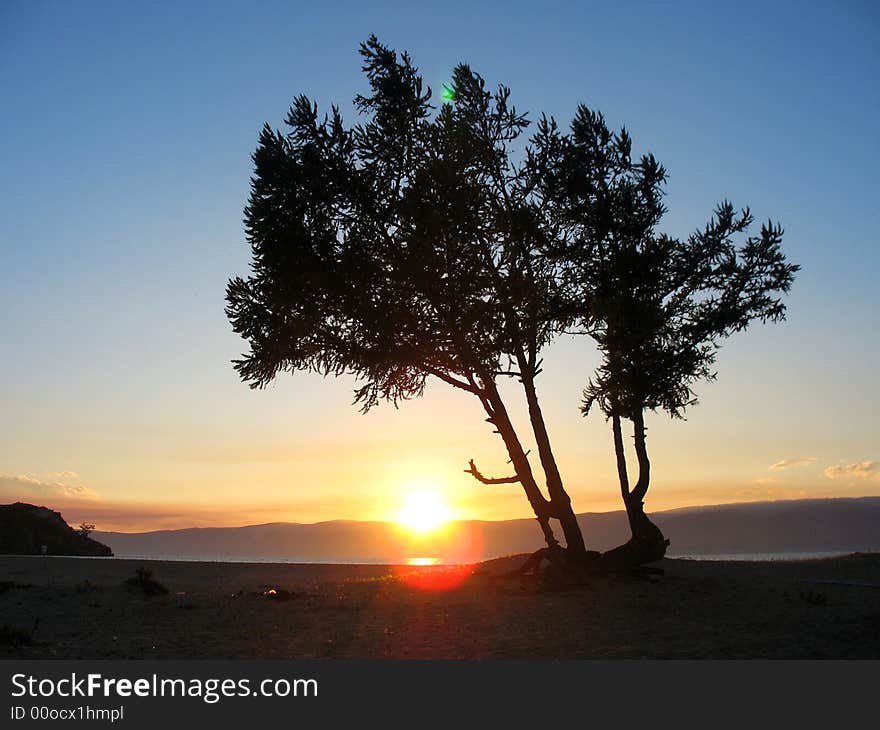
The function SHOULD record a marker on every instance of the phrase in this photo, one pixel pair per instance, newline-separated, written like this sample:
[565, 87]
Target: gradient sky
[125, 144]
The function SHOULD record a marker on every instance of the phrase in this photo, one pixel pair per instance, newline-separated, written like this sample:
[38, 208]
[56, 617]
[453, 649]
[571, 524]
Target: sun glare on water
[422, 562]
[424, 512]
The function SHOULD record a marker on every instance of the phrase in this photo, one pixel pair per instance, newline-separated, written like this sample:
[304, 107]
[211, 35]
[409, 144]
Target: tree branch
[452, 381]
[475, 473]
[511, 373]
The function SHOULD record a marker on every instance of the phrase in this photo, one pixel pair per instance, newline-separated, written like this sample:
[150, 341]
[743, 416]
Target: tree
[85, 529]
[656, 306]
[405, 247]
[413, 245]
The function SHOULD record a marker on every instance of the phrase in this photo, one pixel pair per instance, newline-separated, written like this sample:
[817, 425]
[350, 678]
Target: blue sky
[125, 143]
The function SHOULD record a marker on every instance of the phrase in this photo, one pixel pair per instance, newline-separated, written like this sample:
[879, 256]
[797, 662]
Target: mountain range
[795, 526]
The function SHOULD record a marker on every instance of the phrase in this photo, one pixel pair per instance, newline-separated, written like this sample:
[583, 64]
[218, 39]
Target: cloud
[785, 463]
[862, 470]
[24, 487]
[66, 474]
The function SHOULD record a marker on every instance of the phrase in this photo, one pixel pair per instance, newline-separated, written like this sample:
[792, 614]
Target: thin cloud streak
[785, 463]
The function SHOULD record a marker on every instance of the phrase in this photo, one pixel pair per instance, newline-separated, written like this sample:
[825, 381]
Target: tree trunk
[501, 420]
[620, 453]
[647, 544]
[559, 500]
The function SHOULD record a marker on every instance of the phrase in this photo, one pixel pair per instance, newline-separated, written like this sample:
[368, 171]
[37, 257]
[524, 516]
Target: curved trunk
[501, 420]
[642, 528]
[559, 500]
[647, 543]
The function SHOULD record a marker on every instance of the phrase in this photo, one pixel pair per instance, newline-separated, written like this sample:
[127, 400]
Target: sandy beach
[81, 609]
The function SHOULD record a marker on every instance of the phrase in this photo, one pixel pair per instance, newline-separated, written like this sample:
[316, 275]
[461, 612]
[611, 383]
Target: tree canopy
[395, 249]
[658, 307]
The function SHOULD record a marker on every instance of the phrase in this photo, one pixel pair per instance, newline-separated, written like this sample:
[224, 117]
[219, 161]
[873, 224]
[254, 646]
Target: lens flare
[433, 577]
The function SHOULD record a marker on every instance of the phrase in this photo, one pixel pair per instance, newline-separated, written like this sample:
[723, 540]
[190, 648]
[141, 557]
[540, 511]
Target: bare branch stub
[475, 473]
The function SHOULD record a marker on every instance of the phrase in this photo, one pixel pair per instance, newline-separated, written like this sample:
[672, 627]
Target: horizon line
[477, 521]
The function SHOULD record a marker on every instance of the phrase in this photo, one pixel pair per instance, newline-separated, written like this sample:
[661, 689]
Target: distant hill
[814, 525]
[25, 528]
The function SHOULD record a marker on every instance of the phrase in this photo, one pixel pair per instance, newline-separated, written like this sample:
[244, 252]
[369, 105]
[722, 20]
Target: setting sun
[423, 512]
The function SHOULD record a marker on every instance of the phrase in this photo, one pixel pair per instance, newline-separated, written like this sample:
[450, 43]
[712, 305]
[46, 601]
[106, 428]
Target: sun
[423, 512]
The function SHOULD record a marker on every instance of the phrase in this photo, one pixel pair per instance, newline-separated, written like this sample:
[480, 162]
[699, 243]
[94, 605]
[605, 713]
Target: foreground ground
[80, 608]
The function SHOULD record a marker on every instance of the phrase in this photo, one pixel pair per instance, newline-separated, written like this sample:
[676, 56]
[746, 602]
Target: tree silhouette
[656, 306]
[403, 247]
[413, 245]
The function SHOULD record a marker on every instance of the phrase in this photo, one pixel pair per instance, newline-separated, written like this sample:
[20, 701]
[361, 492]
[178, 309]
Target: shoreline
[766, 557]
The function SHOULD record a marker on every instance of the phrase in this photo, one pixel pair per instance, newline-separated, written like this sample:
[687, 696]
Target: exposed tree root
[557, 569]
[633, 555]
[551, 568]
[532, 566]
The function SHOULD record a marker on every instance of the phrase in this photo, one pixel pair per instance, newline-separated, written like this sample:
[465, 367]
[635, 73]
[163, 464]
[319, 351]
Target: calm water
[427, 560]
[761, 557]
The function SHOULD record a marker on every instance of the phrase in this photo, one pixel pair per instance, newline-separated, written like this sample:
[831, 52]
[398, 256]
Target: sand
[80, 609]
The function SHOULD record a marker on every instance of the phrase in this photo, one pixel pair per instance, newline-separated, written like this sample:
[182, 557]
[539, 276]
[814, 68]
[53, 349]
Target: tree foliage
[657, 307]
[395, 249]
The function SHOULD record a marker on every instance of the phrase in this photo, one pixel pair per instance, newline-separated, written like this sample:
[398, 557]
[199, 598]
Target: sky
[125, 144]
